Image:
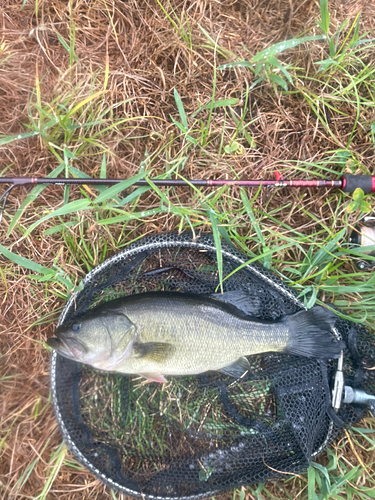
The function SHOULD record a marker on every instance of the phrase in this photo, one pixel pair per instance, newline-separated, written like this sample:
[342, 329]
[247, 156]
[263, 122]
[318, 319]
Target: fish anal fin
[155, 351]
[154, 377]
[237, 369]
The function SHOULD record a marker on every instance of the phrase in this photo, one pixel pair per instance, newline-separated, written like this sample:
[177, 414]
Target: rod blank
[348, 183]
[317, 183]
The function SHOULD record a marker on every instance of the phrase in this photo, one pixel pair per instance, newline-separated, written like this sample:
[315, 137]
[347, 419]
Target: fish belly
[202, 336]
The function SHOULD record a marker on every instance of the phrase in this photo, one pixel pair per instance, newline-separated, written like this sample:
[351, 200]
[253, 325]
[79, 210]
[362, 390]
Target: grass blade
[250, 213]
[60, 227]
[324, 15]
[238, 64]
[117, 188]
[272, 60]
[217, 240]
[103, 168]
[181, 110]
[10, 138]
[72, 207]
[311, 483]
[57, 461]
[279, 81]
[83, 103]
[26, 263]
[282, 46]
[223, 102]
[130, 216]
[63, 43]
[137, 192]
[31, 197]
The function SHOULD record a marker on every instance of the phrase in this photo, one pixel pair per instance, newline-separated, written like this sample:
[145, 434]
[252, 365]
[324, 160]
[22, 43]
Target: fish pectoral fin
[236, 369]
[154, 377]
[155, 351]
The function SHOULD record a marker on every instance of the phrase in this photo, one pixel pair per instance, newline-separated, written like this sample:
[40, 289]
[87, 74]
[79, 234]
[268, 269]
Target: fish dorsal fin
[156, 351]
[247, 305]
[236, 369]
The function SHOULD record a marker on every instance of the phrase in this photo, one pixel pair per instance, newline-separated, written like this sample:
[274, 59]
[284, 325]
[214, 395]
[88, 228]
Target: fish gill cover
[197, 436]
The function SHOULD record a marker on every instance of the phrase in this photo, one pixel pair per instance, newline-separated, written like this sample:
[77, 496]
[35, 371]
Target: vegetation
[173, 89]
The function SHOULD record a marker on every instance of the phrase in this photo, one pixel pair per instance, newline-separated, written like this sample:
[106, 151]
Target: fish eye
[76, 327]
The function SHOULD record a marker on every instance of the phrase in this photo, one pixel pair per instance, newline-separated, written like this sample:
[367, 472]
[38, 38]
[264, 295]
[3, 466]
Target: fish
[160, 334]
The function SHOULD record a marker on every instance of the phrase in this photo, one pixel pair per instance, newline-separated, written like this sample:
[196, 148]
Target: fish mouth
[60, 330]
[67, 347]
[60, 347]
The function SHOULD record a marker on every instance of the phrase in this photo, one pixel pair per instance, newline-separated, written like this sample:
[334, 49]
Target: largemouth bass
[166, 333]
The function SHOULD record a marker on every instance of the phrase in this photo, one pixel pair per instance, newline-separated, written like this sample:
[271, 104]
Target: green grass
[285, 234]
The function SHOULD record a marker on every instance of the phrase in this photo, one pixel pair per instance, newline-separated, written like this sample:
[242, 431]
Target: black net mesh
[197, 436]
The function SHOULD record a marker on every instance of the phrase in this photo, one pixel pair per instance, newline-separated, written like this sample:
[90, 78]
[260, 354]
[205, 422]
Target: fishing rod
[347, 183]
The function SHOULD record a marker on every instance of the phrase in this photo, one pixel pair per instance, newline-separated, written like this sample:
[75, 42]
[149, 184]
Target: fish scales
[170, 333]
[204, 336]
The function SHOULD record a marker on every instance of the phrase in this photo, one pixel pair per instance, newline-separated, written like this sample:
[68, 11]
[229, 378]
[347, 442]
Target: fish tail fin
[310, 334]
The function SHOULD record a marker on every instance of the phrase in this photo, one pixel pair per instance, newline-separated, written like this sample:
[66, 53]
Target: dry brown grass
[145, 59]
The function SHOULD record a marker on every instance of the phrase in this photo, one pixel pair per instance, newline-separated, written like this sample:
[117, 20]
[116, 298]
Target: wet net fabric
[197, 436]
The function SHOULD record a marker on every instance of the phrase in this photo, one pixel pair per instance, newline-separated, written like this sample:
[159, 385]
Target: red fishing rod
[347, 183]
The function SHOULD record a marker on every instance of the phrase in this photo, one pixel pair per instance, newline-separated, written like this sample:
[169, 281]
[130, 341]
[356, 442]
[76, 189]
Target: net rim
[135, 248]
[207, 245]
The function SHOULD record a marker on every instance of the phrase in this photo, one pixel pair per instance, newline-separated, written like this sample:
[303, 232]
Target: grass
[173, 90]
